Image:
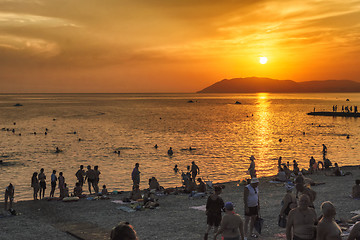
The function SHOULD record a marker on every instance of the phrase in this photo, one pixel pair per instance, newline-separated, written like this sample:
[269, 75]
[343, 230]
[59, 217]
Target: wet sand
[174, 219]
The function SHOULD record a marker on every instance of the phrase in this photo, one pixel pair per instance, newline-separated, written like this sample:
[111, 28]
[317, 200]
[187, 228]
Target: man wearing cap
[231, 226]
[251, 169]
[251, 205]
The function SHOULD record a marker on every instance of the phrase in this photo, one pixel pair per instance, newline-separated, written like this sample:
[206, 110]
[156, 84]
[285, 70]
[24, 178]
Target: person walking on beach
[214, 207]
[90, 177]
[42, 178]
[251, 169]
[53, 183]
[301, 221]
[80, 175]
[9, 196]
[61, 185]
[194, 171]
[251, 205]
[327, 229]
[232, 226]
[35, 185]
[135, 175]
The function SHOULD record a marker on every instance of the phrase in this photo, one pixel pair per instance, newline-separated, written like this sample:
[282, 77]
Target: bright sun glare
[263, 60]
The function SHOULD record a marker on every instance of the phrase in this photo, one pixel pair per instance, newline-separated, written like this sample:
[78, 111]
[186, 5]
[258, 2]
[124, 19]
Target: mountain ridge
[257, 84]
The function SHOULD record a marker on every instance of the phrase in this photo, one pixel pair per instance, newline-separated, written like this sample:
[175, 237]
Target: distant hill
[255, 84]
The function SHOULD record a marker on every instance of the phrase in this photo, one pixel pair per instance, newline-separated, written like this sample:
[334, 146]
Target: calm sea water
[224, 134]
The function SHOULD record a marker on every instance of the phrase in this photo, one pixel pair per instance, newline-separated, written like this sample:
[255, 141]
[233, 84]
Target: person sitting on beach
[327, 229]
[135, 194]
[300, 178]
[123, 231]
[91, 177]
[251, 205]
[53, 183]
[35, 185]
[307, 191]
[232, 226]
[190, 186]
[80, 175]
[66, 191]
[202, 186]
[288, 202]
[170, 151]
[194, 170]
[9, 196]
[327, 163]
[214, 207]
[337, 171]
[301, 221]
[154, 184]
[356, 190]
[281, 176]
[251, 169]
[78, 190]
[42, 182]
[355, 232]
[104, 191]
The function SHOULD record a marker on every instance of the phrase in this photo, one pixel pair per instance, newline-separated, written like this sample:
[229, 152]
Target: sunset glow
[172, 46]
[263, 60]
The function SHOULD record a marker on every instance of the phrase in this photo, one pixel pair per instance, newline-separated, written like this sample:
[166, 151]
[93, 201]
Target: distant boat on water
[335, 114]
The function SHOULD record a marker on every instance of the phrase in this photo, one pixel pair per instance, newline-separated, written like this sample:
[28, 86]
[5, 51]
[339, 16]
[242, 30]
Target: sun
[263, 60]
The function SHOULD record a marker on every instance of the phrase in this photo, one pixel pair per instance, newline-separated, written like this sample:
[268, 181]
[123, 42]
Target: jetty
[335, 114]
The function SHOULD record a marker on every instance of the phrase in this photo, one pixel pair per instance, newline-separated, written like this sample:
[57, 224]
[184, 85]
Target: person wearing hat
[327, 228]
[232, 227]
[289, 201]
[251, 205]
[214, 207]
[251, 169]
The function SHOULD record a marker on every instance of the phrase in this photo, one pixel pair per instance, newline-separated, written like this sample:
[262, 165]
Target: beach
[173, 219]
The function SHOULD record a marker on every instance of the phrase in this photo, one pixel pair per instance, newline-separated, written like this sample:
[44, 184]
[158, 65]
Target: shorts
[214, 219]
[43, 185]
[53, 184]
[253, 211]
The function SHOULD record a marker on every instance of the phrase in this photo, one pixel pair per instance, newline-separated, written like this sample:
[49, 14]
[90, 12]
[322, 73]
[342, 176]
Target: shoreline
[174, 219]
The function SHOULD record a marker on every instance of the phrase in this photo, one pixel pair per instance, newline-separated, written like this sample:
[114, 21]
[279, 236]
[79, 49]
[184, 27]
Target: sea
[89, 128]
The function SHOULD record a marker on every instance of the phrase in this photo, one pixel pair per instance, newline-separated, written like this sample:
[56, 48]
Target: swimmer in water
[176, 170]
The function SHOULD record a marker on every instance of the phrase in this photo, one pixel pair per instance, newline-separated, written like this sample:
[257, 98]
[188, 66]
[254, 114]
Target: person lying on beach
[356, 189]
[232, 226]
[307, 191]
[355, 232]
[289, 201]
[9, 195]
[327, 229]
[123, 231]
[301, 221]
[214, 207]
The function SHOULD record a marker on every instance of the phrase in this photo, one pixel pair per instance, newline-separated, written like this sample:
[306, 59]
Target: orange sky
[173, 46]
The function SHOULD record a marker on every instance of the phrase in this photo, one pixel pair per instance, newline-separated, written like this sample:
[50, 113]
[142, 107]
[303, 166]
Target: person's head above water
[137, 165]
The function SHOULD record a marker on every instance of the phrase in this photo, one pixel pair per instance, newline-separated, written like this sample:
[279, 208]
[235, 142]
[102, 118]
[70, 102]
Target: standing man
[194, 171]
[42, 178]
[80, 175]
[53, 183]
[251, 169]
[214, 207]
[135, 175]
[9, 195]
[90, 177]
[301, 221]
[311, 164]
[251, 205]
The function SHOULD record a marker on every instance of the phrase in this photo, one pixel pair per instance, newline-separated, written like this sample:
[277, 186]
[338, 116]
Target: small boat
[18, 105]
[335, 114]
[237, 102]
[190, 101]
